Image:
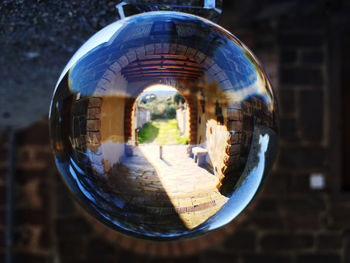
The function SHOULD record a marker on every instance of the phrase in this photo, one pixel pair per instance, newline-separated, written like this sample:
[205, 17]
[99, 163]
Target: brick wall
[288, 223]
[3, 170]
[32, 215]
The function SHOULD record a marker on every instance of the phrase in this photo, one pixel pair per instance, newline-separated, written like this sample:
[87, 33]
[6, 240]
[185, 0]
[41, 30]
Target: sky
[159, 90]
[160, 87]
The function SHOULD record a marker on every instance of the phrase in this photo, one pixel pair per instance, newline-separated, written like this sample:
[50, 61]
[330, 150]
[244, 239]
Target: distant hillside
[159, 93]
[161, 104]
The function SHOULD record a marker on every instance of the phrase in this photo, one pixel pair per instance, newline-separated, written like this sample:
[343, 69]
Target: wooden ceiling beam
[167, 69]
[163, 61]
[155, 73]
[160, 77]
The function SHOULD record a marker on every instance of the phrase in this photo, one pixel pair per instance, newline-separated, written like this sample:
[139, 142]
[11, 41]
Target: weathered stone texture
[311, 115]
[288, 223]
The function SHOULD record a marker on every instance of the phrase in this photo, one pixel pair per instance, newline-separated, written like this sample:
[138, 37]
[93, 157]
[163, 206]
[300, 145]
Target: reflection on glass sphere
[163, 126]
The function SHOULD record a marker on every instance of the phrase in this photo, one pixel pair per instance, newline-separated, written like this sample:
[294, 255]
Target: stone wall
[33, 192]
[182, 119]
[288, 223]
[142, 117]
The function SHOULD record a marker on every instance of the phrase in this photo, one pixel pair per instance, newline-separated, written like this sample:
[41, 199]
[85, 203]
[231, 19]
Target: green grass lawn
[161, 132]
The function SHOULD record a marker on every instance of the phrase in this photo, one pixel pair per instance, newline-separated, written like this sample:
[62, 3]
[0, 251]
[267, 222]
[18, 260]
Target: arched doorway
[200, 81]
[161, 116]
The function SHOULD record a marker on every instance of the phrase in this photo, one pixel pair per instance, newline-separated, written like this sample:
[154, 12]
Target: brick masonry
[288, 222]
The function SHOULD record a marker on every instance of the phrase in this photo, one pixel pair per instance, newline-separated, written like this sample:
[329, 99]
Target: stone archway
[126, 67]
[191, 101]
[136, 71]
[144, 110]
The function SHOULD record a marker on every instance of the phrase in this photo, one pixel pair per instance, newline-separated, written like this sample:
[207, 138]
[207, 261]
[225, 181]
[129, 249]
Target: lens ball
[164, 125]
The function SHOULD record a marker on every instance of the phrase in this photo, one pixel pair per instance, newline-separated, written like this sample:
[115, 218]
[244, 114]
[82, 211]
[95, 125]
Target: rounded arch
[136, 104]
[163, 52]
[133, 72]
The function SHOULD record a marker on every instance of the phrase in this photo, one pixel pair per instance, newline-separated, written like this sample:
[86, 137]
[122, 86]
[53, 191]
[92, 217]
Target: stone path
[190, 189]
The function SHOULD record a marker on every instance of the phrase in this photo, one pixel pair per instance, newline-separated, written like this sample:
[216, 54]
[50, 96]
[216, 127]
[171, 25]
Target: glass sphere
[164, 125]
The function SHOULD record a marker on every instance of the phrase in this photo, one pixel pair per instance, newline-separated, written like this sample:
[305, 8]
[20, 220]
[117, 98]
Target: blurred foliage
[160, 107]
[148, 133]
[178, 98]
[162, 132]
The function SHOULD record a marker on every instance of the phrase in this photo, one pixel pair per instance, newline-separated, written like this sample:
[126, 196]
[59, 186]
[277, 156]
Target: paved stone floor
[172, 185]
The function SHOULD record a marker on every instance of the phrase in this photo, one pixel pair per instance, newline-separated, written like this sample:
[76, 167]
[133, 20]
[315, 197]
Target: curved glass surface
[163, 126]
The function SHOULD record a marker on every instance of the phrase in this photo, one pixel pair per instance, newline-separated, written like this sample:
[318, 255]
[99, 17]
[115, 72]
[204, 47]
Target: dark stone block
[22, 236]
[222, 257]
[30, 258]
[98, 247]
[339, 215]
[189, 259]
[302, 24]
[31, 216]
[3, 153]
[2, 195]
[72, 248]
[300, 221]
[328, 241]
[219, 256]
[241, 240]
[93, 260]
[300, 184]
[79, 107]
[301, 39]
[2, 240]
[3, 172]
[311, 114]
[23, 156]
[347, 248]
[286, 241]
[277, 184]
[301, 76]
[318, 258]
[72, 226]
[23, 176]
[37, 134]
[129, 257]
[267, 206]
[45, 239]
[288, 56]
[312, 204]
[287, 101]
[301, 158]
[2, 217]
[64, 200]
[312, 57]
[288, 129]
[268, 222]
[65, 204]
[266, 258]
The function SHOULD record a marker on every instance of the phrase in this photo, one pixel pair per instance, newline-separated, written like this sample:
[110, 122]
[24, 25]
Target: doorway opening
[160, 116]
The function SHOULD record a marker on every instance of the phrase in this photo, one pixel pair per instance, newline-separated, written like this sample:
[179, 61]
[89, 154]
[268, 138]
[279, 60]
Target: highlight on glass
[164, 126]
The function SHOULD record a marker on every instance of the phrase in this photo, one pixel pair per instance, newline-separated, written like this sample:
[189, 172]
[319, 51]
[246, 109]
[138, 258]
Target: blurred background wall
[302, 215]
